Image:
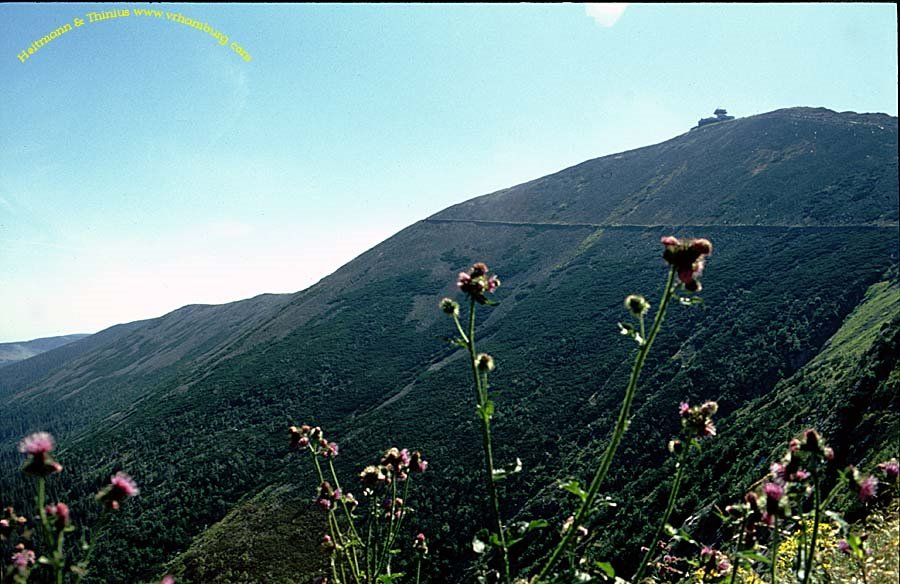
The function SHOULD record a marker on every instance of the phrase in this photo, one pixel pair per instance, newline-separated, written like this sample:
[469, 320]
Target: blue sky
[145, 166]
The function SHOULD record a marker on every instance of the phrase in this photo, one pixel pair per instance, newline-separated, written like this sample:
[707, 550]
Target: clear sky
[144, 165]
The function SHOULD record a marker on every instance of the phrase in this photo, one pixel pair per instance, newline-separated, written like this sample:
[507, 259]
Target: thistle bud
[676, 447]
[637, 304]
[450, 307]
[484, 362]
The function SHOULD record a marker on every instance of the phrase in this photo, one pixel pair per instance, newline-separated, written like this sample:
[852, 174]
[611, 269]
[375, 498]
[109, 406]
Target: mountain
[12, 352]
[801, 205]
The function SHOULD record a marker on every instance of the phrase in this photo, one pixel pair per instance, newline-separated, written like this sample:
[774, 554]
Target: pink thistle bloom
[23, 558]
[868, 487]
[125, 484]
[338, 495]
[404, 457]
[493, 283]
[773, 491]
[683, 408]
[891, 468]
[843, 547]
[670, 240]
[463, 279]
[37, 444]
[121, 486]
[324, 503]
[778, 471]
[707, 552]
[168, 580]
[59, 512]
[800, 475]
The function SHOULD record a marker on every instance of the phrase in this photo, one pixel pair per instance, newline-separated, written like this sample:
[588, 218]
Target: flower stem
[774, 550]
[621, 424]
[810, 557]
[482, 398]
[673, 495]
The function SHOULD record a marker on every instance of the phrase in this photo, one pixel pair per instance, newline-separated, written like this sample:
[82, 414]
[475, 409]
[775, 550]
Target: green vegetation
[195, 404]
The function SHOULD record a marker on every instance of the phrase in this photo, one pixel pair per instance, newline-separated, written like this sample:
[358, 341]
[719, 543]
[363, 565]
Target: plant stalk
[673, 495]
[621, 424]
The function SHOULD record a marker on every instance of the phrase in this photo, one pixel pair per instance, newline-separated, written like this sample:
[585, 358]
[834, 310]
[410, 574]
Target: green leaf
[389, 578]
[754, 556]
[680, 534]
[630, 331]
[486, 410]
[574, 487]
[690, 300]
[605, 501]
[607, 568]
[510, 469]
[537, 524]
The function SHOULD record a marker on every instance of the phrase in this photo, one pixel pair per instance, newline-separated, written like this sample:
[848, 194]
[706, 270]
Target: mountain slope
[13, 352]
[206, 392]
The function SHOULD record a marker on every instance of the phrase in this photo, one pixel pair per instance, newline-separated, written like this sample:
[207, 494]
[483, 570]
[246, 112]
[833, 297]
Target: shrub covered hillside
[798, 329]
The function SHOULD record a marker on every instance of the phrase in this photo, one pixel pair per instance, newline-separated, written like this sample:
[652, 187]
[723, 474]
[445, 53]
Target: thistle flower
[476, 283]
[38, 447]
[330, 449]
[23, 558]
[37, 444]
[688, 258]
[773, 491]
[121, 487]
[60, 513]
[420, 545]
[168, 579]
[868, 488]
[372, 475]
[417, 463]
[299, 436]
[890, 468]
[697, 420]
[844, 547]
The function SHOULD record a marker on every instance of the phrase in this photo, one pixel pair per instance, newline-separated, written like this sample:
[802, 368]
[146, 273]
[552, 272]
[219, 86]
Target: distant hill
[801, 205]
[12, 352]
